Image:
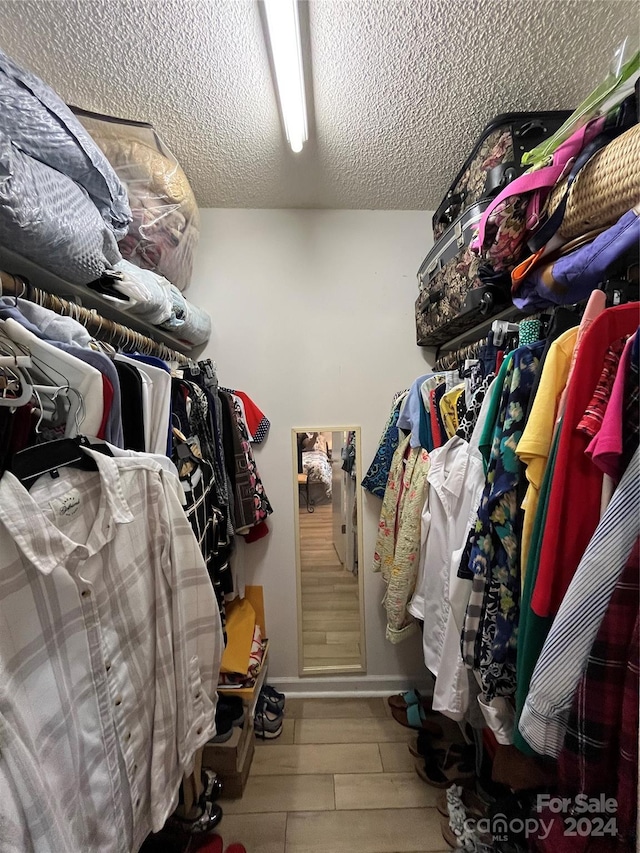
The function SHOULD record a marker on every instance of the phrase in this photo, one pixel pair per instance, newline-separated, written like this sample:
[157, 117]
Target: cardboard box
[227, 757]
[235, 783]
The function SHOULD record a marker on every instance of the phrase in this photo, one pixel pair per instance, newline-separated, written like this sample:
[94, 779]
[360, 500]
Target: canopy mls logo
[580, 815]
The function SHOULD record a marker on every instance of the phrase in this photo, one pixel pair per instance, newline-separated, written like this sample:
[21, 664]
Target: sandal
[403, 700]
[415, 717]
[441, 771]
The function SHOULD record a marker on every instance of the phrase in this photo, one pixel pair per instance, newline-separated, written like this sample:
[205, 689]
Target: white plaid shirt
[110, 645]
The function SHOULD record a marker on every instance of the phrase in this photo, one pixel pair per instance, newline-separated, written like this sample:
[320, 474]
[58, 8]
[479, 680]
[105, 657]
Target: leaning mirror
[328, 512]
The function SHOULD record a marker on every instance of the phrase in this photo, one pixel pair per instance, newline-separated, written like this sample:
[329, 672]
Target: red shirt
[573, 509]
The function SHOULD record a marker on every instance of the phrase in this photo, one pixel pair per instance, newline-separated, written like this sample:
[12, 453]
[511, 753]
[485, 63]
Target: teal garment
[533, 629]
[490, 424]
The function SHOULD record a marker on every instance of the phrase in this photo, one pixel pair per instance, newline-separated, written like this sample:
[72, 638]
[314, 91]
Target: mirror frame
[358, 668]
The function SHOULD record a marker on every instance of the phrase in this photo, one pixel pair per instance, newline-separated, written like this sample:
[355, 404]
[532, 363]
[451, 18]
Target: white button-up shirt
[110, 646]
[456, 479]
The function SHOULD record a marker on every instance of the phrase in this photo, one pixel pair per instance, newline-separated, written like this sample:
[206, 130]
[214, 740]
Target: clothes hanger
[47, 458]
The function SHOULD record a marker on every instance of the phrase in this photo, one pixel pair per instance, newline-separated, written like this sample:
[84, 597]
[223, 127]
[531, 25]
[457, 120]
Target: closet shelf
[39, 277]
[480, 330]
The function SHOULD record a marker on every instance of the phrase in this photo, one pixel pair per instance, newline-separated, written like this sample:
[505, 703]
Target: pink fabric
[542, 179]
[595, 306]
[605, 449]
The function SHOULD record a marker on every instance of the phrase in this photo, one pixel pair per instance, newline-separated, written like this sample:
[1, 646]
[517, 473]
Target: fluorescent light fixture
[284, 35]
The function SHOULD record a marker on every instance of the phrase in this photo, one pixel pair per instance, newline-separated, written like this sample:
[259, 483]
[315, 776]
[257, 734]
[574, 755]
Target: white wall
[313, 317]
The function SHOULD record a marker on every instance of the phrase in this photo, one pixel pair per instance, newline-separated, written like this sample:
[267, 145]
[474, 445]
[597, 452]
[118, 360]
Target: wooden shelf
[38, 277]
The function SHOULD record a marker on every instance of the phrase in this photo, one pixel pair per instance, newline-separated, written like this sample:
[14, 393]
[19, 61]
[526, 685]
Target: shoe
[455, 766]
[209, 817]
[266, 724]
[212, 786]
[474, 805]
[232, 707]
[224, 727]
[416, 717]
[411, 697]
[275, 700]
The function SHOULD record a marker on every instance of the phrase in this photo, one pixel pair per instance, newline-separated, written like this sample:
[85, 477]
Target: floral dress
[491, 623]
[398, 544]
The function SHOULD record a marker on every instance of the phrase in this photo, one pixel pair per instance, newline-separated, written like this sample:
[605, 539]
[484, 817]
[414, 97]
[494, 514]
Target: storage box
[227, 757]
[232, 760]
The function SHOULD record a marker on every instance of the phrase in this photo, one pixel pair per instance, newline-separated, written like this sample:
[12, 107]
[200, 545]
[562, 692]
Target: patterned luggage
[457, 288]
[494, 161]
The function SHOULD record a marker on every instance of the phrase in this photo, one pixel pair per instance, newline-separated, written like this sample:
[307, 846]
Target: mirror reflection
[329, 552]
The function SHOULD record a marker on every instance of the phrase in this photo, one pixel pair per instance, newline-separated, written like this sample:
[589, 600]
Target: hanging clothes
[375, 480]
[576, 483]
[544, 719]
[129, 691]
[455, 482]
[398, 542]
[494, 553]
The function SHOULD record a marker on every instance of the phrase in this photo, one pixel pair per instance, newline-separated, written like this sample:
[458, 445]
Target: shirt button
[128, 735]
[198, 695]
[85, 593]
[135, 767]
[107, 666]
[138, 802]
[199, 731]
[118, 700]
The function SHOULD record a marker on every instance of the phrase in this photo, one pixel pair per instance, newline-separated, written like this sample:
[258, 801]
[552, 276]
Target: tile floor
[339, 779]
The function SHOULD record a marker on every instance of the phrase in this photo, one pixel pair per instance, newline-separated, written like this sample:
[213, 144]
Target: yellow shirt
[535, 443]
[449, 410]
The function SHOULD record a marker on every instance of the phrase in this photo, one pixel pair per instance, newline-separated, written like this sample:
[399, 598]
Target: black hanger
[47, 458]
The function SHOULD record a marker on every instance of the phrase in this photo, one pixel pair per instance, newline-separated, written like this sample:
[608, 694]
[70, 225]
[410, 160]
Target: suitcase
[494, 161]
[457, 288]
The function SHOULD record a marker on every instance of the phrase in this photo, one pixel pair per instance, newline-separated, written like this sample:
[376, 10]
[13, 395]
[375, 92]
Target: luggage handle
[449, 208]
[431, 300]
[535, 125]
[500, 176]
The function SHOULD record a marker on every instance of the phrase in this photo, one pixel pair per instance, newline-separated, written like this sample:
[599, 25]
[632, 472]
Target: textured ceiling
[401, 87]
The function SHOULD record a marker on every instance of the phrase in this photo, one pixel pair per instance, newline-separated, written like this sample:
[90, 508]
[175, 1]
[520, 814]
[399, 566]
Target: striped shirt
[110, 644]
[544, 718]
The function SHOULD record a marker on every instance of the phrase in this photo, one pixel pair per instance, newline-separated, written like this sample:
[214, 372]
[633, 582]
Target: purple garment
[113, 427]
[572, 277]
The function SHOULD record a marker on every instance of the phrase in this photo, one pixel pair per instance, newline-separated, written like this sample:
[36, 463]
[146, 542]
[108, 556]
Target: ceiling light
[284, 35]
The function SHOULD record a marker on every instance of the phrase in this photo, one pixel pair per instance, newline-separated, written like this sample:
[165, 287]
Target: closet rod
[457, 357]
[101, 329]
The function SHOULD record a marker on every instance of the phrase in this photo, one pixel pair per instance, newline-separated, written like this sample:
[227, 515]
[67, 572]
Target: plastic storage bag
[188, 322]
[165, 229]
[41, 126]
[50, 220]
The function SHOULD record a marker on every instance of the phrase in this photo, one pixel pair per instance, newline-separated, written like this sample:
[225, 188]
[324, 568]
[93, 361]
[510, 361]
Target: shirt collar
[454, 453]
[41, 542]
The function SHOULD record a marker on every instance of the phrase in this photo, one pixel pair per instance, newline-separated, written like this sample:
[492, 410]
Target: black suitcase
[457, 289]
[495, 161]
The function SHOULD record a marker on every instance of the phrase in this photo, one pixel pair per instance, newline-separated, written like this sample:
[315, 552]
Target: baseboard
[335, 687]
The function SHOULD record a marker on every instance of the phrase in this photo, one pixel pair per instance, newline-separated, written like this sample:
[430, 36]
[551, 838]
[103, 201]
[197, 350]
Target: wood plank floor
[330, 605]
